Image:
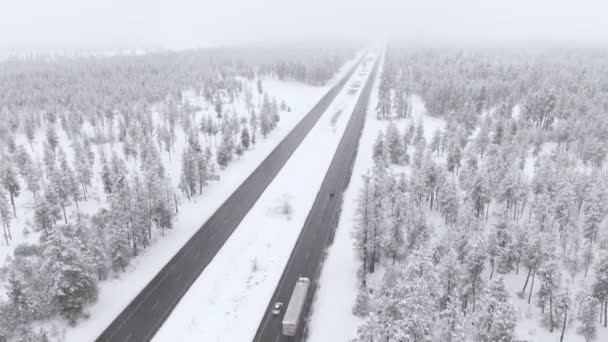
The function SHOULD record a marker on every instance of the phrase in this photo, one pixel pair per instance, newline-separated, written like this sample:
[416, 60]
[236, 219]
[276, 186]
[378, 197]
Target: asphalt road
[142, 318]
[319, 228]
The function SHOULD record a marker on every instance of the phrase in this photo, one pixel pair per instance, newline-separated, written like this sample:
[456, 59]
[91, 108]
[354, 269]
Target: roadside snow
[235, 288]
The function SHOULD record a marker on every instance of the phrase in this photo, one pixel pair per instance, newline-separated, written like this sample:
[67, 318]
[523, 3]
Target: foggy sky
[190, 23]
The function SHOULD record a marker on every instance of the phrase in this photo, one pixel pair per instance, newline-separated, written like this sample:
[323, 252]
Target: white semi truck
[292, 317]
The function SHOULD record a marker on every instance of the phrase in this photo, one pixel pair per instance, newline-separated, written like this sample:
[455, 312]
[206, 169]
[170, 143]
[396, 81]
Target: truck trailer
[293, 314]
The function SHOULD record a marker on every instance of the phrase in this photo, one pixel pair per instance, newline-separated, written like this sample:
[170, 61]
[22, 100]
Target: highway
[142, 318]
[309, 252]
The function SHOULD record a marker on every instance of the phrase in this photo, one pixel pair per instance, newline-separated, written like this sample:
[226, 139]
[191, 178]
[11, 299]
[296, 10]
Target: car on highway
[276, 309]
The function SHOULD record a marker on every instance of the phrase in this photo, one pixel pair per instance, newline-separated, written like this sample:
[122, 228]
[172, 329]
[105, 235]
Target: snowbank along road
[318, 230]
[140, 320]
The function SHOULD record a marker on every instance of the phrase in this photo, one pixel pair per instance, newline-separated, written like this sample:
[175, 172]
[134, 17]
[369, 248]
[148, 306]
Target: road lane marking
[179, 276]
[198, 252]
[128, 337]
[307, 255]
[276, 339]
[155, 305]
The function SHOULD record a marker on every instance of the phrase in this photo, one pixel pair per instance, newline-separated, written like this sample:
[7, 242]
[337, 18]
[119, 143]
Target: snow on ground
[236, 286]
[118, 291]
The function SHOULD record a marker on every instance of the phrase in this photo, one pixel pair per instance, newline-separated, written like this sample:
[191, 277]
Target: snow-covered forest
[484, 218]
[99, 154]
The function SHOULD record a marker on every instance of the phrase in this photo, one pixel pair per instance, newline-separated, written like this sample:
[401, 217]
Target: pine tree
[380, 154]
[394, 144]
[67, 263]
[587, 316]
[474, 260]
[64, 184]
[83, 167]
[419, 134]
[266, 120]
[500, 246]
[362, 302]
[436, 142]
[600, 286]
[452, 326]
[480, 193]
[188, 176]
[549, 274]
[383, 108]
[18, 298]
[28, 170]
[225, 151]
[595, 211]
[245, 138]
[51, 138]
[46, 212]
[482, 139]
[260, 89]
[395, 238]
[454, 157]
[218, 106]
[362, 224]
[253, 123]
[5, 217]
[449, 202]
[203, 167]
[495, 320]
[401, 103]
[8, 180]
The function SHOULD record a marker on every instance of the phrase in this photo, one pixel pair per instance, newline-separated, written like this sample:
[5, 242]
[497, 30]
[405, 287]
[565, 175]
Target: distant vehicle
[277, 308]
[331, 194]
[293, 314]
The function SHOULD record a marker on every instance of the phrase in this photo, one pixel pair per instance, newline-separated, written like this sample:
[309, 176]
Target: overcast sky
[191, 23]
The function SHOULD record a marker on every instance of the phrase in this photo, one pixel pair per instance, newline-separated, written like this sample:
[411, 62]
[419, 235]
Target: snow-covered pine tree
[436, 142]
[245, 139]
[496, 317]
[225, 151]
[9, 181]
[64, 181]
[5, 217]
[449, 201]
[384, 106]
[587, 316]
[401, 104]
[266, 121]
[549, 274]
[362, 225]
[600, 285]
[46, 211]
[380, 151]
[67, 266]
[28, 170]
[253, 123]
[51, 138]
[394, 144]
[188, 176]
[82, 166]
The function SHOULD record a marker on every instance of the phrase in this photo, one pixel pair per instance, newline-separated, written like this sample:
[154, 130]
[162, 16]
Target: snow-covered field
[229, 299]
